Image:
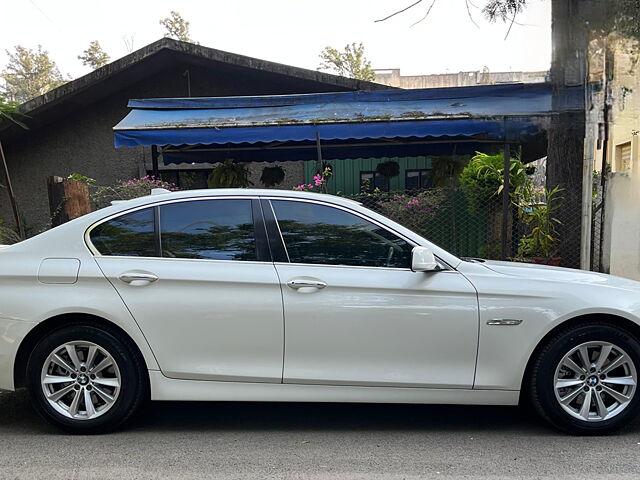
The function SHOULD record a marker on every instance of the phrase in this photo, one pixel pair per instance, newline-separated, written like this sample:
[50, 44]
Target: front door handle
[138, 279]
[296, 284]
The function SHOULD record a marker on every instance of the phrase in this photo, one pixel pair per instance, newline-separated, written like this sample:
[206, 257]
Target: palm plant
[229, 175]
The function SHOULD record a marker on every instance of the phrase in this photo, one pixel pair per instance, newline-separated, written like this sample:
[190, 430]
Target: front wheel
[84, 379]
[585, 379]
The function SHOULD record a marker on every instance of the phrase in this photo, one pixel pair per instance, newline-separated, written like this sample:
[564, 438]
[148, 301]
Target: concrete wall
[393, 78]
[82, 142]
[621, 246]
[622, 226]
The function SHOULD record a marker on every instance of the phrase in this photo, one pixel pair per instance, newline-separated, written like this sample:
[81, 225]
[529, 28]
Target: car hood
[560, 274]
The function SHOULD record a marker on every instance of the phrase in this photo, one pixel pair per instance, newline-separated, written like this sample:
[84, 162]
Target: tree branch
[426, 14]
[466, 2]
[399, 11]
[510, 26]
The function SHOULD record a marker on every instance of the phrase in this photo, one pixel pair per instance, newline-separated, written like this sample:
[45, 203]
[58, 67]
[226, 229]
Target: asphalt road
[312, 441]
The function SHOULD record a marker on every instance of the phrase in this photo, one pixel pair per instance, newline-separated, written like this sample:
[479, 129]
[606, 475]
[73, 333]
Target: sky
[292, 32]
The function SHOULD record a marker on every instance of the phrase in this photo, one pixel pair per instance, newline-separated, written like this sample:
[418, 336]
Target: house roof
[151, 59]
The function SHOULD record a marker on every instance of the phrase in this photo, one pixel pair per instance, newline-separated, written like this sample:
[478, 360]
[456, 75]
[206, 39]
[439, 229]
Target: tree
[94, 56]
[29, 73]
[350, 63]
[177, 27]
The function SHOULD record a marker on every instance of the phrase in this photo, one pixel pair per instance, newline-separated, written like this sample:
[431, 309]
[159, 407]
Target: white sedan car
[265, 295]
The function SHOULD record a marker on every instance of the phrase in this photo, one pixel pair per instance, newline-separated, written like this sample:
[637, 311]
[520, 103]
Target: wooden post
[68, 199]
[319, 152]
[319, 161]
[506, 202]
[154, 161]
[12, 196]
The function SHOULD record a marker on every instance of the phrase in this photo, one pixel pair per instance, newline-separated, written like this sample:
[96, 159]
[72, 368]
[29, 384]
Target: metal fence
[597, 223]
[463, 225]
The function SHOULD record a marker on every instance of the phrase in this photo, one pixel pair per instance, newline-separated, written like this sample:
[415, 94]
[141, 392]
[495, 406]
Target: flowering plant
[411, 208]
[319, 182]
[128, 189]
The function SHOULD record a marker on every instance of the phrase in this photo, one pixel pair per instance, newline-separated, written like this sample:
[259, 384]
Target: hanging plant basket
[388, 169]
[272, 176]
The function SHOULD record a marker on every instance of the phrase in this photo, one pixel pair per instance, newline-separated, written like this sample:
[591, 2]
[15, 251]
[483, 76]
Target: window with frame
[370, 180]
[129, 235]
[214, 229]
[217, 229]
[418, 179]
[623, 157]
[325, 235]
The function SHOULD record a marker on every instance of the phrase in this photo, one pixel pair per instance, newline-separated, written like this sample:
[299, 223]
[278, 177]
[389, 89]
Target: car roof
[160, 195]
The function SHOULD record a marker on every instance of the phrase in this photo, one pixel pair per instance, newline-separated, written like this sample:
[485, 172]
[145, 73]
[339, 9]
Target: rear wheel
[85, 379]
[585, 379]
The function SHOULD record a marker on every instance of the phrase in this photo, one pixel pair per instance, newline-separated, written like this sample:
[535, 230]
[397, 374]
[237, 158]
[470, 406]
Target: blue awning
[493, 112]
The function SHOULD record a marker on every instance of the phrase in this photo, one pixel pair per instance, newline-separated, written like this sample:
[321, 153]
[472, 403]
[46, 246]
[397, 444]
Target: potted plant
[388, 169]
[537, 212]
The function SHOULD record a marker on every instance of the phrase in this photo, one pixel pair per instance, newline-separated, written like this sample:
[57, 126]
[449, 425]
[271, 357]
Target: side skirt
[163, 388]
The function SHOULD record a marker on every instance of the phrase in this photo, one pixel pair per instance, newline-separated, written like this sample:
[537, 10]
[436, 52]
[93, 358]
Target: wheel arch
[59, 321]
[577, 321]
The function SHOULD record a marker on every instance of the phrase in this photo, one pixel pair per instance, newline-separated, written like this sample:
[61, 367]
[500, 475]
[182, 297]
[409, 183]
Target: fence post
[505, 202]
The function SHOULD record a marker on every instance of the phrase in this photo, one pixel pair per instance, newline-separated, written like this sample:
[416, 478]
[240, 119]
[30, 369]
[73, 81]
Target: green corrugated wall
[346, 172]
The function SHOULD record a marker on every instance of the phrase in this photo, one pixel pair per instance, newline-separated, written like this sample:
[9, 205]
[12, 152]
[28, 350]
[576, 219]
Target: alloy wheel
[595, 381]
[81, 380]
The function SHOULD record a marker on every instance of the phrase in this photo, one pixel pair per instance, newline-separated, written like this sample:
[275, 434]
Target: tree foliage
[29, 73]
[504, 10]
[601, 17]
[94, 56]
[9, 111]
[176, 27]
[350, 63]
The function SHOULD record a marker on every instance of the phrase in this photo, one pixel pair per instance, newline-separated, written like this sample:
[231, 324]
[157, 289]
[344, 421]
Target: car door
[198, 278]
[355, 313]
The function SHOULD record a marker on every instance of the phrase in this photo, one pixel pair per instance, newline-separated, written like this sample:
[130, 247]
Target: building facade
[70, 128]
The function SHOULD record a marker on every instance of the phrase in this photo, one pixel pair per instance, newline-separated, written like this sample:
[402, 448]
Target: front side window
[320, 234]
[209, 229]
[220, 229]
[130, 235]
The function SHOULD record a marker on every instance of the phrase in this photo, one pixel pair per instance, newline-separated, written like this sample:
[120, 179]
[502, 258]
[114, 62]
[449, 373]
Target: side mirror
[423, 260]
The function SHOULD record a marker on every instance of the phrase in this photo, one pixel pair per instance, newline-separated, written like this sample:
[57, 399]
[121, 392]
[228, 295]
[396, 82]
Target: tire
[560, 385]
[96, 392]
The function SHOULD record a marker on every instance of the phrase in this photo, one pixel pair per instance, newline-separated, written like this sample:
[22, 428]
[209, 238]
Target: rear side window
[209, 229]
[319, 234]
[220, 229]
[130, 235]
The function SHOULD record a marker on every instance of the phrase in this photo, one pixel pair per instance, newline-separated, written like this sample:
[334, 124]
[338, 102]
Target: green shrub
[482, 180]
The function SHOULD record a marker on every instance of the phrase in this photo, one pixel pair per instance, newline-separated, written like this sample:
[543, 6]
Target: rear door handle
[137, 278]
[296, 284]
